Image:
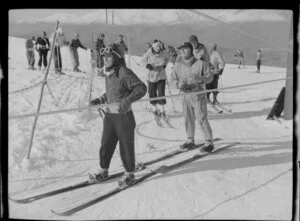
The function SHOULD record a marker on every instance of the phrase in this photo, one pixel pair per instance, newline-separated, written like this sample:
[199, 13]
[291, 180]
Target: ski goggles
[108, 50]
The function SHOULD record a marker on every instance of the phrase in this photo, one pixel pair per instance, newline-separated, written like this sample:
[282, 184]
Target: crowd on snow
[195, 69]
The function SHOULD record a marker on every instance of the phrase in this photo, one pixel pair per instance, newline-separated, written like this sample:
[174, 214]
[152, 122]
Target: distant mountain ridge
[163, 16]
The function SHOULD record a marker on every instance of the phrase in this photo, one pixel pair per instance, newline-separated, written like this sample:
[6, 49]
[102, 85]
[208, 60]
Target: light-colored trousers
[195, 108]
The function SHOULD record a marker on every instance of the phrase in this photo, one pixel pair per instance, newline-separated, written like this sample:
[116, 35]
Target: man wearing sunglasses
[123, 88]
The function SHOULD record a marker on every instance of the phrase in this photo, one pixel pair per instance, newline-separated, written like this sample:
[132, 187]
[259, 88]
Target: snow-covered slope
[162, 16]
[251, 180]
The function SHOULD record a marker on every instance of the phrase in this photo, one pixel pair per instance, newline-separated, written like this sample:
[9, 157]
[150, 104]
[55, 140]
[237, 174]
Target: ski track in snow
[66, 147]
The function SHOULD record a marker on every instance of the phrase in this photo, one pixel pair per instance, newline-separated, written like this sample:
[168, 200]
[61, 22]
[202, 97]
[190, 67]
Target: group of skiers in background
[195, 69]
[42, 46]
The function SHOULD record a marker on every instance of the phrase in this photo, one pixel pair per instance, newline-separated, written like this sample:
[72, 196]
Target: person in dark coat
[123, 47]
[42, 46]
[75, 44]
[123, 88]
[30, 52]
[99, 58]
[258, 60]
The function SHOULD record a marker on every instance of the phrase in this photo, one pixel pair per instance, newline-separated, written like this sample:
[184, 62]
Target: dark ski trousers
[118, 127]
[30, 57]
[43, 57]
[213, 85]
[258, 63]
[74, 58]
[100, 60]
[57, 58]
[157, 89]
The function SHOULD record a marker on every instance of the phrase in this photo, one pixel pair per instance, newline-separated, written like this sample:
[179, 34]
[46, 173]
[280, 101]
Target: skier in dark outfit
[75, 44]
[42, 46]
[123, 88]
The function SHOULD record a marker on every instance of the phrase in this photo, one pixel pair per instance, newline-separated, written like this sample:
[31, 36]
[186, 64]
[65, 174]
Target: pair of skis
[71, 209]
[220, 108]
[82, 184]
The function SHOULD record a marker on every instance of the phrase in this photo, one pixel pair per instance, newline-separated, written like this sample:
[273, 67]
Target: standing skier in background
[123, 88]
[42, 46]
[191, 75]
[75, 44]
[240, 55]
[30, 52]
[60, 41]
[155, 60]
[258, 60]
[172, 54]
[99, 58]
[199, 50]
[217, 65]
[123, 47]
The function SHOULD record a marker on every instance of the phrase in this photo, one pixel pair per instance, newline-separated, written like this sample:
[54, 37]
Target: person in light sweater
[217, 65]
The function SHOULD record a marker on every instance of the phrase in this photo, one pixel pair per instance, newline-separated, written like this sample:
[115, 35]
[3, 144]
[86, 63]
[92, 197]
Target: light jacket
[259, 56]
[216, 60]
[29, 44]
[191, 72]
[158, 62]
[60, 39]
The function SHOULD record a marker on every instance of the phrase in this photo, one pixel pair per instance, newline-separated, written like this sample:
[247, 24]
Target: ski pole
[171, 95]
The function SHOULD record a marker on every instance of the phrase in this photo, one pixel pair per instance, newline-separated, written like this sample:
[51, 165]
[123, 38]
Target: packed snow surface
[249, 180]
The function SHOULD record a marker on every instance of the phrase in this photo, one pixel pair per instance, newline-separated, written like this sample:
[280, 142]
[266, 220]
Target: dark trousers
[258, 63]
[213, 85]
[57, 58]
[30, 58]
[75, 58]
[118, 127]
[157, 89]
[99, 60]
[43, 57]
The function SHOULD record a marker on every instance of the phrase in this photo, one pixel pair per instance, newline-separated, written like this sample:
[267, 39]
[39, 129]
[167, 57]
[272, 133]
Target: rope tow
[142, 100]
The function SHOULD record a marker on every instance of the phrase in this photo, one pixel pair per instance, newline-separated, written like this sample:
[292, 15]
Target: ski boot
[190, 144]
[59, 73]
[157, 117]
[126, 180]
[208, 147]
[98, 177]
[215, 101]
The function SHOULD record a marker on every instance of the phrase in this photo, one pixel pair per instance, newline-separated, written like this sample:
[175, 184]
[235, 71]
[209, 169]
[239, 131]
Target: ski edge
[161, 169]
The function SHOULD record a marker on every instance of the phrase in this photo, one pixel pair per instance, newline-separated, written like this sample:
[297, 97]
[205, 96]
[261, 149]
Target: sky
[18, 14]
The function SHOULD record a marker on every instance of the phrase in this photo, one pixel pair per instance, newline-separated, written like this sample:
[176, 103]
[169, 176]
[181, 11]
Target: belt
[191, 88]
[114, 109]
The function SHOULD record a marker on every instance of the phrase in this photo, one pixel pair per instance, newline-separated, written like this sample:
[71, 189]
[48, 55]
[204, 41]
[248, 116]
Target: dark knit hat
[186, 45]
[193, 38]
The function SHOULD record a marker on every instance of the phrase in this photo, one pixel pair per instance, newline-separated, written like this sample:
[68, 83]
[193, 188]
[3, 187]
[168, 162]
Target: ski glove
[149, 66]
[98, 101]
[124, 105]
